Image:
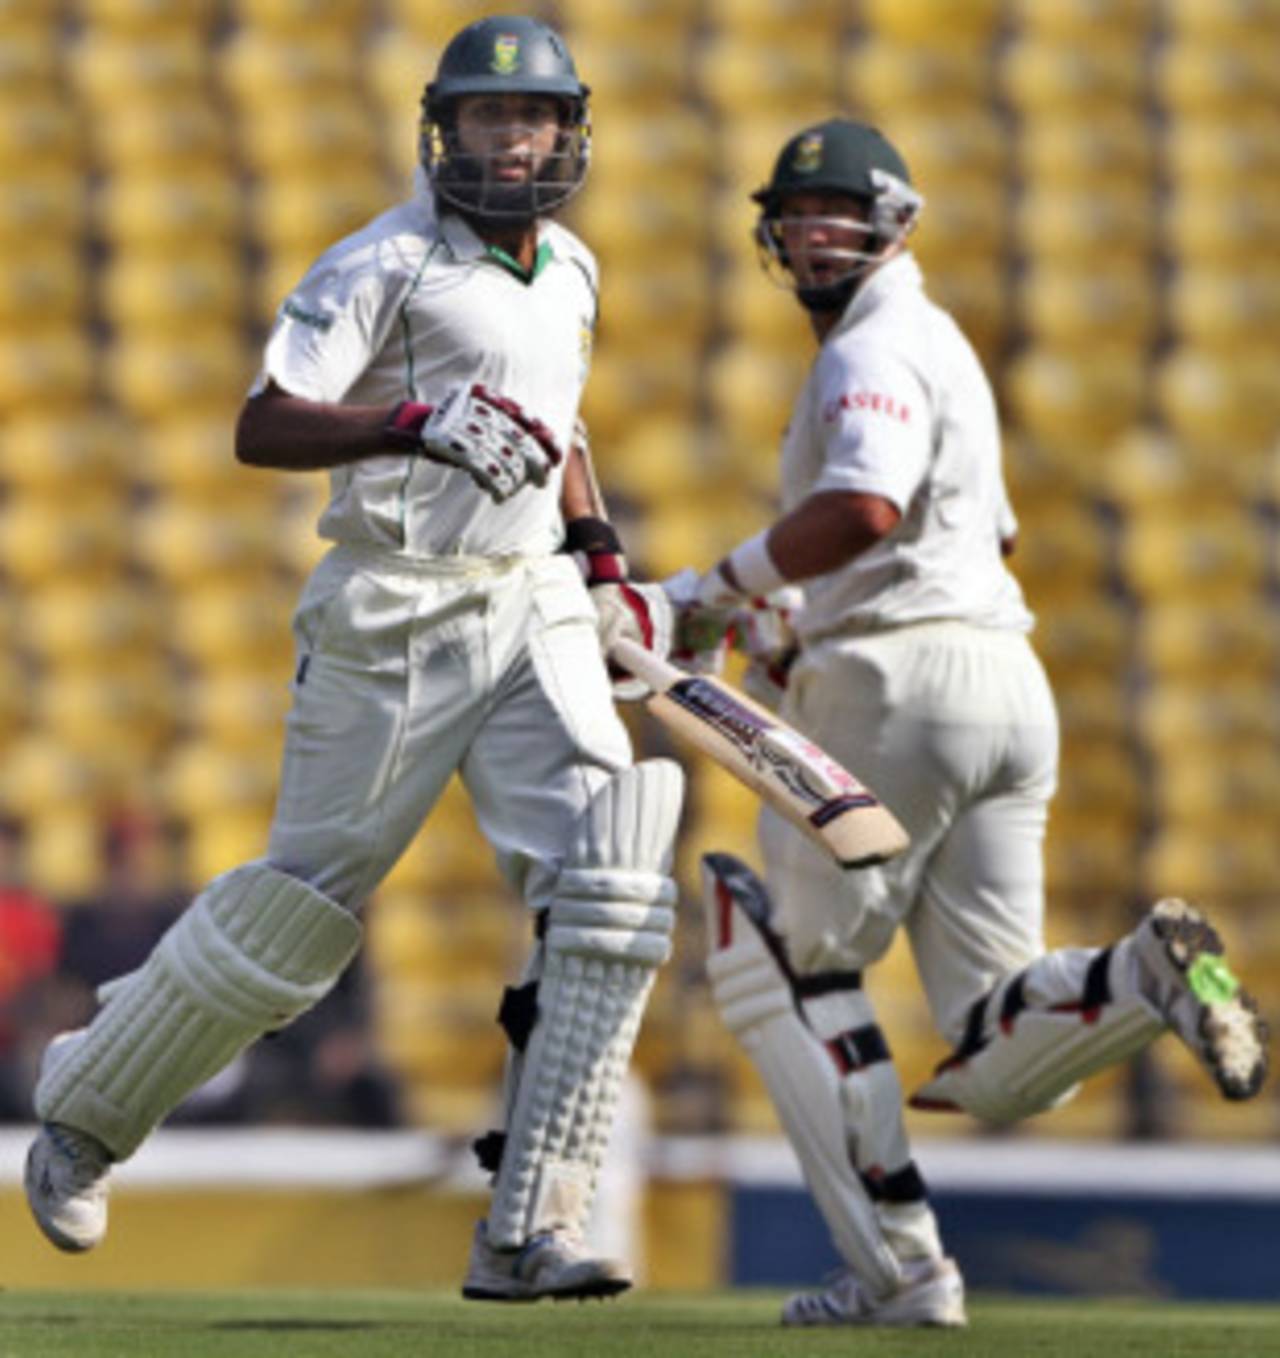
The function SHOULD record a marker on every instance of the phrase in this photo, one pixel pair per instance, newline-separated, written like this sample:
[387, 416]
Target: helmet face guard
[824, 257]
[505, 55]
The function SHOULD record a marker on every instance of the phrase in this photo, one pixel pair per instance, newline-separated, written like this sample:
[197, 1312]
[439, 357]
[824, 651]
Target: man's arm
[292, 434]
[820, 535]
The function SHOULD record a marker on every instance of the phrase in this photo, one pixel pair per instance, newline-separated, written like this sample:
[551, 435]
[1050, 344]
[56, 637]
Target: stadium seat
[734, 74]
[1147, 471]
[62, 853]
[1218, 865]
[305, 214]
[966, 147]
[328, 138]
[238, 710]
[641, 226]
[646, 73]
[29, 63]
[1223, 787]
[194, 456]
[1100, 779]
[1085, 636]
[976, 291]
[61, 452]
[294, 18]
[201, 779]
[39, 131]
[659, 461]
[1234, 150]
[624, 20]
[1219, 400]
[1090, 869]
[878, 78]
[1209, 715]
[41, 776]
[751, 391]
[158, 293]
[57, 536]
[1195, 78]
[1077, 20]
[156, 211]
[1091, 707]
[1063, 555]
[114, 714]
[1041, 76]
[1065, 306]
[1083, 226]
[439, 21]
[110, 69]
[89, 624]
[961, 222]
[1076, 402]
[1210, 19]
[625, 386]
[261, 69]
[1206, 556]
[671, 299]
[44, 203]
[1112, 147]
[934, 23]
[146, 18]
[1205, 642]
[236, 626]
[155, 376]
[1226, 309]
[396, 66]
[677, 146]
[756, 309]
[1227, 224]
[188, 542]
[187, 134]
[217, 841]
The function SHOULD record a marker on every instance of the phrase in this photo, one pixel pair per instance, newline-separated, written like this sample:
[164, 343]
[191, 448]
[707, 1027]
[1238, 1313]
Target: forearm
[291, 434]
[579, 495]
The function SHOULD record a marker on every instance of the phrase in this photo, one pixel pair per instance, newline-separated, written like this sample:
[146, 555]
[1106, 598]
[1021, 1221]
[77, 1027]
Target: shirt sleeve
[325, 332]
[874, 422]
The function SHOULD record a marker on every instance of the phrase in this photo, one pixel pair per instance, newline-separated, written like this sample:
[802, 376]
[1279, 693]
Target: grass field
[741, 1324]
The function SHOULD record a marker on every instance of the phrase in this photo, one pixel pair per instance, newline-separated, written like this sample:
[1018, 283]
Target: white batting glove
[701, 638]
[485, 435]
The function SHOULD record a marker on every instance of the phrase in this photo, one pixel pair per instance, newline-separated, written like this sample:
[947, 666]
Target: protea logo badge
[808, 154]
[506, 54]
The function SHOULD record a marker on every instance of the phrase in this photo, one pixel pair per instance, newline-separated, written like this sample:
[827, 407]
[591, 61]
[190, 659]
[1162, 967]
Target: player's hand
[489, 437]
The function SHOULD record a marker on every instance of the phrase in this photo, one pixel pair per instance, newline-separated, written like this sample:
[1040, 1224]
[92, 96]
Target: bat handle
[644, 664]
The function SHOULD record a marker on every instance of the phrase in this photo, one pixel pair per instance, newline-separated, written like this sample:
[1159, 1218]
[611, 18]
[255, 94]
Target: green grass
[737, 1324]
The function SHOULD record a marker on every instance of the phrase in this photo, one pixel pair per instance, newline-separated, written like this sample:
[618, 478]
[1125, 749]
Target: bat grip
[644, 665]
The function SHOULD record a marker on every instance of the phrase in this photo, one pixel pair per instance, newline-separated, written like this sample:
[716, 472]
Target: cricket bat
[787, 770]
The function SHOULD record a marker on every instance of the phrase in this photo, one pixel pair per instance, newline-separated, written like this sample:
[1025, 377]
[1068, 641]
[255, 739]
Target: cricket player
[433, 363]
[911, 664]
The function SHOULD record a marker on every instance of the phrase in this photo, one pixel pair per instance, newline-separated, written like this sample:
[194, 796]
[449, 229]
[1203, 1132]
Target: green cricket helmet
[504, 55]
[843, 157]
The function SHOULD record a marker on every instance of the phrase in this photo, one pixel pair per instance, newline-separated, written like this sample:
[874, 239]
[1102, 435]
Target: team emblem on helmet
[808, 155]
[506, 54]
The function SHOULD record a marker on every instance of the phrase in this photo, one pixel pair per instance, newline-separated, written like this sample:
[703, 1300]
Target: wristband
[754, 568]
[403, 428]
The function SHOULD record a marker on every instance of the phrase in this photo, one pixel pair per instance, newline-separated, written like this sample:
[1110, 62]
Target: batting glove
[489, 437]
[625, 610]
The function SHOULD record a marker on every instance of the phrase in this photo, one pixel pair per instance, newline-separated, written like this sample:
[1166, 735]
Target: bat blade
[785, 768]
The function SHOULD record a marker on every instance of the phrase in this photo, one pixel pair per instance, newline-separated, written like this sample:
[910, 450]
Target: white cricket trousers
[954, 727]
[409, 669]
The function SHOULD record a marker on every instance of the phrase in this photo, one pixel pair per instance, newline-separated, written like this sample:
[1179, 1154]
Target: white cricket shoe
[66, 1183]
[932, 1293]
[1181, 956]
[551, 1264]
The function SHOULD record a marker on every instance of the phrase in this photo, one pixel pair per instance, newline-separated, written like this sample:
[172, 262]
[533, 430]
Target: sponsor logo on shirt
[877, 403]
[506, 54]
[318, 320]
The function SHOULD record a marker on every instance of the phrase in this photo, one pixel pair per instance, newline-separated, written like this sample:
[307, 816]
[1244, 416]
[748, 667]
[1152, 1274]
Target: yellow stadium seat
[622, 20]
[963, 149]
[659, 461]
[732, 220]
[927, 23]
[162, 210]
[671, 299]
[439, 21]
[1099, 778]
[57, 453]
[404, 937]
[1063, 305]
[1084, 226]
[109, 69]
[186, 542]
[125, 705]
[1193, 639]
[194, 456]
[1227, 225]
[260, 69]
[1220, 713]
[881, 78]
[43, 537]
[39, 131]
[1220, 786]
[205, 370]
[28, 59]
[238, 625]
[237, 710]
[397, 65]
[1195, 77]
[147, 17]
[330, 138]
[1085, 635]
[218, 841]
[44, 368]
[754, 308]
[734, 74]
[1091, 707]
[201, 779]
[1207, 555]
[1233, 151]
[961, 223]
[163, 293]
[1216, 864]
[678, 144]
[1076, 402]
[1063, 555]
[643, 73]
[44, 203]
[1145, 468]
[71, 623]
[1101, 862]
[752, 390]
[1110, 147]
[1039, 75]
[1079, 20]
[1214, 400]
[625, 386]
[42, 776]
[1209, 19]
[976, 292]
[294, 17]
[642, 225]
[1223, 309]
[42, 284]
[63, 853]
[184, 134]
[298, 547]
[299, 214]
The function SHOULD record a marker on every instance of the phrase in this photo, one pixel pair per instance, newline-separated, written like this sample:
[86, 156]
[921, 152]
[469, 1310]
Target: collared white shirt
[404, 309]
[897, 404]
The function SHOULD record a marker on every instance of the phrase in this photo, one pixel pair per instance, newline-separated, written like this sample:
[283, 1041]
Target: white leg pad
[755, 999]
[609, 928]
[1037, 1062]
[254, 950]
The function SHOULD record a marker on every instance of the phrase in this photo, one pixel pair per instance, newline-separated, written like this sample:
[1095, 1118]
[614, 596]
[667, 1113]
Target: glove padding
[625, 610]
[489, 437]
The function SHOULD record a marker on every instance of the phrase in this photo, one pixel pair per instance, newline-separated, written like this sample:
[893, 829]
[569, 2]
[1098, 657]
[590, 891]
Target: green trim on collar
[540, 261]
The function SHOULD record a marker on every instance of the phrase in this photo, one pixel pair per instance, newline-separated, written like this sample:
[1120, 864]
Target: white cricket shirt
[403, 309]
[897, 404]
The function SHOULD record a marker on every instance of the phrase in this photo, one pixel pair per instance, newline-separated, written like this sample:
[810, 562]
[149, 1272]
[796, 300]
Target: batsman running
[909, 661]
[433, 363]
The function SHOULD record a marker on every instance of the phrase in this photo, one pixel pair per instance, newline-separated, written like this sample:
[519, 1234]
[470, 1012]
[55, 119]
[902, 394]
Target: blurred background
[1103, 217]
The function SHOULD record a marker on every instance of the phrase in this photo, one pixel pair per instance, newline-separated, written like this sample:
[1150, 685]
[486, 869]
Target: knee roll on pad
[254, 950]
[609, 928]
